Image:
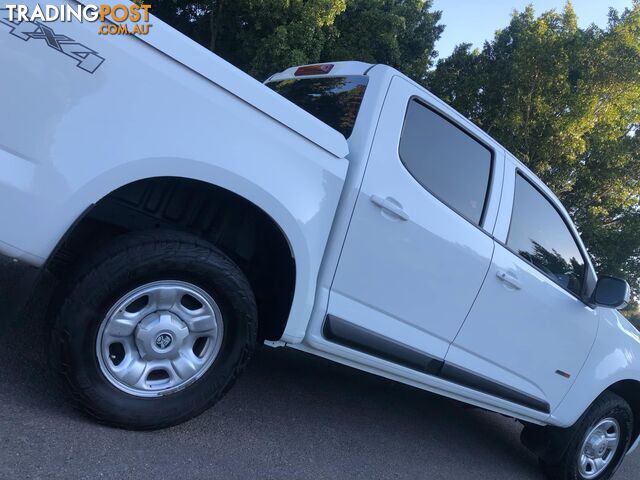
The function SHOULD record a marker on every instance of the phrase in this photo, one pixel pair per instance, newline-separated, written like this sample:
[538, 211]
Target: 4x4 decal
[87, 58]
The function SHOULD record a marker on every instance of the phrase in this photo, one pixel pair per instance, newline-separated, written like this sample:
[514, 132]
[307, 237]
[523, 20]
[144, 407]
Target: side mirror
[611, 292]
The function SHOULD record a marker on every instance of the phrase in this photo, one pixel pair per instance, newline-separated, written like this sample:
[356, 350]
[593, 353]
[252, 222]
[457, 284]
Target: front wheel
[600, 441]
[154, 330]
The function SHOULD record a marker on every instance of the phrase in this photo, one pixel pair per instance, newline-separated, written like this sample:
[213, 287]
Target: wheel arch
[550, 442]
[629, 390]
[247, 233]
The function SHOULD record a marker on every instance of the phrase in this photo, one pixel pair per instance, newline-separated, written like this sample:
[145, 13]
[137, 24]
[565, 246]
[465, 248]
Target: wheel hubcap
[599, 448]
[159, 338]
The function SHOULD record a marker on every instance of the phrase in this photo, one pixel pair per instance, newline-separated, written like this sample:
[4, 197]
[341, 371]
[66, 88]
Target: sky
[474, 21]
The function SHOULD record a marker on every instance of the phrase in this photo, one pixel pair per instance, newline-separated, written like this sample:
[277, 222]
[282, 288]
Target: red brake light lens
[314, 70]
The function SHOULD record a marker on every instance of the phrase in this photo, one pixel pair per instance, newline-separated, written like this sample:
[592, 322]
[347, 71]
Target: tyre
[154, 329]
[598, 444]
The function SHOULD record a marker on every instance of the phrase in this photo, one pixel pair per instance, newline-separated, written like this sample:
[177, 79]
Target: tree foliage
[401, 34]
[565, 101]
[262, 37]
[258, 36]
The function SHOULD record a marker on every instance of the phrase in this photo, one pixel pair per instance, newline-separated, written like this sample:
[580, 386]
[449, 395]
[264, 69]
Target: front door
[528, 334]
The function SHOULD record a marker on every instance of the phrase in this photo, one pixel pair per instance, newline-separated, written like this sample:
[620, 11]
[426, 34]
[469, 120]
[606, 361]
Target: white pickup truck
[190, 213]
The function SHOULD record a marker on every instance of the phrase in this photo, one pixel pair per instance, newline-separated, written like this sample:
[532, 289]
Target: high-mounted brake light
[314, 70]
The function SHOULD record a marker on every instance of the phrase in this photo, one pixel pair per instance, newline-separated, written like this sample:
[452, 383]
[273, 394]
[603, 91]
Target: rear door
[418, 245]
[529, 333]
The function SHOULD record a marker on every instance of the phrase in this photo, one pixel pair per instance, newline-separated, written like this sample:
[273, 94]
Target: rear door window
[447, 161]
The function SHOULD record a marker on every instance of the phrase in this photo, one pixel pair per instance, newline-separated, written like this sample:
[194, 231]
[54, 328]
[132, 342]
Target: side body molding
[354, 336]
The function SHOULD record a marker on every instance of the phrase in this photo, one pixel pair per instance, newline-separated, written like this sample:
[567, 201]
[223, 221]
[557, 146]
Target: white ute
[189, 213]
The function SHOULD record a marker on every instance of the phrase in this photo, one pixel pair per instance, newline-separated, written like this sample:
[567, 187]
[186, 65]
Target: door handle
[509, 279]
[390, 205]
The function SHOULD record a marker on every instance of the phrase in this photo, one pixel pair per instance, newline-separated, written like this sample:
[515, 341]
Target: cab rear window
[334, 100]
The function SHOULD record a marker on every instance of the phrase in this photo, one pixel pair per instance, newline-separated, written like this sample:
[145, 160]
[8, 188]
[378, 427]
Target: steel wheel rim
[599, 448]
[159, 338]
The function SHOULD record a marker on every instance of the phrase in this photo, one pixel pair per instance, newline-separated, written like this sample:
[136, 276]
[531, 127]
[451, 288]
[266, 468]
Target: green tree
[258, 36]
[400, 33]
[565, 101]
[262, 37]
[634, 317]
